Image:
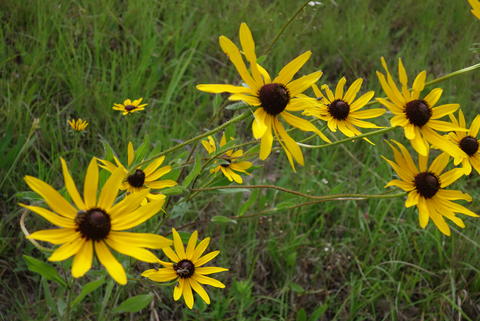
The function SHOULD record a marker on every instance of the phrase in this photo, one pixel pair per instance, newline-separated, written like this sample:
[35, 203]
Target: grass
[351, 260]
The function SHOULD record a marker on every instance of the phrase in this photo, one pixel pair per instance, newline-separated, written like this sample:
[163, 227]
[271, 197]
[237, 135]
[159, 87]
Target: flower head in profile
[95, 223]
[418, 116]
[141, 179]
[341, 110]
[475, 8]
[78, 124]
[187, 269]
[230, 160]
[426, 188]
[129, 106]
[276, 99]
[468, 142]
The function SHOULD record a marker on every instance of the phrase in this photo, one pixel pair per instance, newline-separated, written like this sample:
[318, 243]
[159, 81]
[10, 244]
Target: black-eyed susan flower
[468, 142]
[426, 188]
[418, 116]
[230, 163]
[129, 106]
[78, 124]
[95, 223]
[187, 269]
[475, 8]
[140, 179]
[274, 98]
[341, 110]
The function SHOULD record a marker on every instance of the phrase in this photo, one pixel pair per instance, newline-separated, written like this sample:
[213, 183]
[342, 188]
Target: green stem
[337, 197]
[194, 139]
[284, 27]
[349, 139]
[453, 74]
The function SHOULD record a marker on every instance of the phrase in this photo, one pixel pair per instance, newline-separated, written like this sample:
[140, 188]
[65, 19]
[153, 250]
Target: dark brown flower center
[339, 109]
[274, 98]
[469, 145]
[427, 184]
[418, 112]
[93, 224]
[136, 179]
[130, 107]
[184, 268]
[227, 160]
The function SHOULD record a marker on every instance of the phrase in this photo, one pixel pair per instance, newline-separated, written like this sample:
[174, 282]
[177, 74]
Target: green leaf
[86, 289]
[134, 304]
[44, 269]
[296, 287]
[319, 312]
[301, 315]
[251, 200]
[174, 190]
[197, 167]
[236, 106]
[222, 219]
[233, 190]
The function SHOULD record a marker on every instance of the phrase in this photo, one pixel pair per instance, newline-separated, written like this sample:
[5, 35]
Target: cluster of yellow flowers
[133, 192]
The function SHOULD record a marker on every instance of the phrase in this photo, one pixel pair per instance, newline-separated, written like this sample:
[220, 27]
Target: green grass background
[353, 260]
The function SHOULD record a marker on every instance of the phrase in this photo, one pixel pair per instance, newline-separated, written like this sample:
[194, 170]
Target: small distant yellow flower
[475, 8]
[95, 222]
[141, 179]
[341, 109]
[468, 143]
[78, 124]
[129, 106]
[425, 187]
[187, 269]
[418, 116]
[275, 98]
[230, 163]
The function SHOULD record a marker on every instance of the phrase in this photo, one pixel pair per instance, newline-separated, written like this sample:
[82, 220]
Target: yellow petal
[202, 246]
[187, 294]
[419, 82]
[126, 220]
[51, 217]
[221, 88]
[443, 110]
[339, 88]
[82, 262]
[148, 240]
[362, 101]
[353, 90]
[206, 258]
[451, 176]
[303, 83]
[286, 74]
[132, 250]
[67, 250]
[110, 189]
[250, 100]
[153, 165]
[412, 199]
[70, 185]
[178, 290]
[200, 290]
[474, 128]
[433, 96]
[423, 213]
[171, 254]
[258, 126]
[161, 275]
[158, 173]
[178, 245]
[113, 267]
[209, 270]
[91, 184]
[290, 145]
[231, 50]
[248, 46]
[130, 154]
[55, 236]
[266, 139]
[53, 198]
[208, 280]
[192, 242]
